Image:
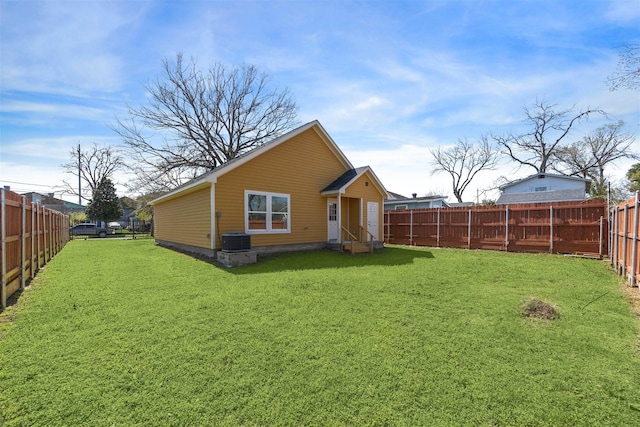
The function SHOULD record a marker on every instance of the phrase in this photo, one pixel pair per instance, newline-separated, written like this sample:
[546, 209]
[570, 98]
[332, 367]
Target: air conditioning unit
[236, 242]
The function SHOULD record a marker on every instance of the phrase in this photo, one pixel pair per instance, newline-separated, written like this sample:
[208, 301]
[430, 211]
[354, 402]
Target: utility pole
[79, 178]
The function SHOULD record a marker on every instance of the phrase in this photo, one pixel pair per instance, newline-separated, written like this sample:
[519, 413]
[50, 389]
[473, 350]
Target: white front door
[372, 218]
[332, 216]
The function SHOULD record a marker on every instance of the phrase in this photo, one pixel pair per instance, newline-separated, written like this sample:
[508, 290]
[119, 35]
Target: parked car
[88, 229]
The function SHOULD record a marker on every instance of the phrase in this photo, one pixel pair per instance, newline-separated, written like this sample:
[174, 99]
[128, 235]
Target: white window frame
[269, 213]
[401, 207]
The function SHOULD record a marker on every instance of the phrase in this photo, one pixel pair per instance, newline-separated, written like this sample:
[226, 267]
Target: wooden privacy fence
[560, 227]
[625, 243]
[31, 235]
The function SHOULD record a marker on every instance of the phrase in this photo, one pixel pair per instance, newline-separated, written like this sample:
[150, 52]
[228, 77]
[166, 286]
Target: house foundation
[236, 259]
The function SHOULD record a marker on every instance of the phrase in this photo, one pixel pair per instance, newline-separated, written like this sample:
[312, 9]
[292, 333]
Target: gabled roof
[346, 179]
[544, 175]
[212, 176]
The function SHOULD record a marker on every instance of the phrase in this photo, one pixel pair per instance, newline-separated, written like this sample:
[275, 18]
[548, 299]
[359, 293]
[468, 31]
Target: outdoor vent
[236, 242]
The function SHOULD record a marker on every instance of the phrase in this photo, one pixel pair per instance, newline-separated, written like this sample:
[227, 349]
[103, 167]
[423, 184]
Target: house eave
[332, 192]
[190, 188]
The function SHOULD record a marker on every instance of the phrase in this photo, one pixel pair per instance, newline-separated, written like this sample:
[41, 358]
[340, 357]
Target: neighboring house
[460, 204]
[298, 191]
[399, 202]
[544, 187]
[50, 202]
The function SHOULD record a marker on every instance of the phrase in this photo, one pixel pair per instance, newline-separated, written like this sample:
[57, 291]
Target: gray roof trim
[542, 196]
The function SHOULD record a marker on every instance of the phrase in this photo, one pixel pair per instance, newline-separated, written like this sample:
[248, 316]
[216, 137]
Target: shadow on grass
[320, 259]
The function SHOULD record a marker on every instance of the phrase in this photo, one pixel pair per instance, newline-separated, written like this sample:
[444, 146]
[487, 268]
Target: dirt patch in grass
[634, 298]
[538, 309]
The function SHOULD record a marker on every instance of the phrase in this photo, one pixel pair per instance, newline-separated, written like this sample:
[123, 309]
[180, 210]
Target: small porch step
[355, 247]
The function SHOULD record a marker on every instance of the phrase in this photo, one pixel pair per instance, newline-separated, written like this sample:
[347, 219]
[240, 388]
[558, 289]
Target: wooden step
[355, 247]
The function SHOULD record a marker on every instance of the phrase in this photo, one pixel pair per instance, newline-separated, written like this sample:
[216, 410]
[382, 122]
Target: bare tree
[463, 161]
[196, 121]
[627, 76]
[549, 128]
[93, 165]
[589, 156]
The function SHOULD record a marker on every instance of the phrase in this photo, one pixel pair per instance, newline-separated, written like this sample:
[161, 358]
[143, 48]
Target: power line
[30, 184]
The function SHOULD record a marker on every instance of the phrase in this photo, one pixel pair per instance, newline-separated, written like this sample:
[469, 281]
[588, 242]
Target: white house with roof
[400, 202]
[544, 187]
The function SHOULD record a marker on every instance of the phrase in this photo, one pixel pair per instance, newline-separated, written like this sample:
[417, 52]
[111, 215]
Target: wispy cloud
[64, 47]
[622, 11]
[52, 149]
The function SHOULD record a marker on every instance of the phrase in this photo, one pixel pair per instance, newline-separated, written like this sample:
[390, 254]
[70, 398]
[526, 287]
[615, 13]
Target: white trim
[376, 235]
[335, 228]
[268, 213]
[214, 219]
[339, 198]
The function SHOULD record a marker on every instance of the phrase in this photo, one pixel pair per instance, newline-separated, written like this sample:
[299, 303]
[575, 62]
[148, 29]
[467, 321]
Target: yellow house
[296, 192]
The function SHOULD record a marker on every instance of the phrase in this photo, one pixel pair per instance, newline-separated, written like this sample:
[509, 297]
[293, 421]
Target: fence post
[388, 226]
[634, 248]
[550, 229]
[23, 243]
[33, 242]
[624, 241]
[38, 234]
[3, 231]
[612, 229]
[600, 242]
[438, 230]
[506, 228]
[469, 231]
[411, 227]
[47, 235]
[617, 237]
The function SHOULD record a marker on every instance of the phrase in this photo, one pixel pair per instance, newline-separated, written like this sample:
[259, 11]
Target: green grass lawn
[119, 333]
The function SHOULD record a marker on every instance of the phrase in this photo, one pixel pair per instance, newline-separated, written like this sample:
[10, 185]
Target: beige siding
[186, 219]
[300, 167]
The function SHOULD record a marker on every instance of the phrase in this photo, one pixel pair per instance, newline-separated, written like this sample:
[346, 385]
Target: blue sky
[389, 80]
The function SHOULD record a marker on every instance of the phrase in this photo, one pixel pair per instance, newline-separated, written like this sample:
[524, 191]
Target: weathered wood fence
[625, 241]
[31, 235]
[562, 227]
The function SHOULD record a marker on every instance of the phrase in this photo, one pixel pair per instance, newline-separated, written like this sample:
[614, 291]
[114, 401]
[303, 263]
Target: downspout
[339, 213]
[215, 230]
